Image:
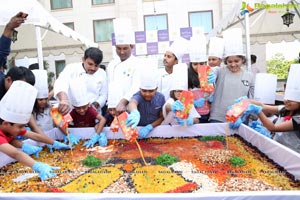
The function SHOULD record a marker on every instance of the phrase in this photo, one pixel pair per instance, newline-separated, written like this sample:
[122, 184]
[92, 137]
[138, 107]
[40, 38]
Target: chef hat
[292, 90]
[123, 31]
[265, 88]
[233, 42]
[17, 104]
[149, 76]
[114, 95]
[216, 47]
[180, 77]
[197, 48]
[41, 83]
[179, 47]
[78, 91]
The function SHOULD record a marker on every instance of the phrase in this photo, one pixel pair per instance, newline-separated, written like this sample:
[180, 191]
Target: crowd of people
[152, 97]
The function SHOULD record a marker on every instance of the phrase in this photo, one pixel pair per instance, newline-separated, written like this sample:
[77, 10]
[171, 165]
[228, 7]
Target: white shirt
[165, 84]
[96, 83]
[126, 75]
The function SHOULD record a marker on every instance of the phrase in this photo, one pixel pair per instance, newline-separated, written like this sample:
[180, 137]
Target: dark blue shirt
[149, 110]
[2, 84]
[5, 43]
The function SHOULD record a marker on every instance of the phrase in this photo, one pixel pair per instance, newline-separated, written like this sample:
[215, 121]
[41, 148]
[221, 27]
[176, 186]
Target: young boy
[84, 115]
[15, 111]
[146, 105]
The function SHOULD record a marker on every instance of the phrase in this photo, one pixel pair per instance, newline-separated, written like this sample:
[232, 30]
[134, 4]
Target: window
[103, 30]
[70, 25]
[156, 22]
[59, 66]
[60, 4]
[98, 2]
[202, 18]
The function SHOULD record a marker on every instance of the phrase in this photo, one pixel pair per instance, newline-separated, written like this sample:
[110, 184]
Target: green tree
[279, 66]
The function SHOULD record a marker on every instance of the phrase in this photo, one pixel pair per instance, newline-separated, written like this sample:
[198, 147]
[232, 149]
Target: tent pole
[247, 35]
[39, 46]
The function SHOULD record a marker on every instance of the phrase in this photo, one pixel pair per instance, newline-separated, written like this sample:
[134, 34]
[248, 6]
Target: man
[5, 42]
[93, 76]
[172, 57]
[123, 70]
[254, 67]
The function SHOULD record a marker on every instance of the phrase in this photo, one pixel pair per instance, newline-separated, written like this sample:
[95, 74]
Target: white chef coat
[96, 83]
[126, 75]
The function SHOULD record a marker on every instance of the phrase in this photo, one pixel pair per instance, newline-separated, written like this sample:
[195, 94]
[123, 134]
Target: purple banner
[152, 48]
[185, 58]
[113, 39]
[186, 32]
[163, 35]
[140, 37]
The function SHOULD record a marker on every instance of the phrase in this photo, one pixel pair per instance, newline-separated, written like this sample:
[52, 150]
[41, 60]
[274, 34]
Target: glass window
[98, 2]
[70, 25]
[59, 4]
[103, 30]
[202, 18]
[59, 66]
[156, 22]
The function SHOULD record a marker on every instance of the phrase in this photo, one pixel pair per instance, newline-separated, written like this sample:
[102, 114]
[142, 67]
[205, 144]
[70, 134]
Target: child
[232, 80]
[41, 108]
[198, 59]
[285, 134]
[173, 104]
[15, 111]
[84, 115]
[215, 51]
[145, 106]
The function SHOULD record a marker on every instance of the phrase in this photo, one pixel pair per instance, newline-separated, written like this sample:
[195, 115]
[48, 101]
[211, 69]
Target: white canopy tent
[40, 29]
[262, 25]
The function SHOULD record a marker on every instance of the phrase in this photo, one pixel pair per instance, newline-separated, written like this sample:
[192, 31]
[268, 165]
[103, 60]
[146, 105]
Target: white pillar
[247, 35]
[39, 46]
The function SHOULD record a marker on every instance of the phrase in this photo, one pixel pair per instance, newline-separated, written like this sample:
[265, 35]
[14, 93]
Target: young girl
[232, 80]
[285, 132]
[173, 104]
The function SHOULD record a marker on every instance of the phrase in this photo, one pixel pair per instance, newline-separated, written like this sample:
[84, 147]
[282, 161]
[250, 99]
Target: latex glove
[240, 99]
[260, 128]
[73, 139]
[252, 109]
[199, 102]
[144, 131]
[177, 105]
[102, 140]
[30, 149]
[133, 118]
[57, 145]
[211, 99]
[44, 170]
[94, 139]
[211, 77]
[182, 122]
[236, 124]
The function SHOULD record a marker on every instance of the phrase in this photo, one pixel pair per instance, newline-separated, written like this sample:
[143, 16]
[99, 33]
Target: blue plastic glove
[260, 128]
[177, 105]
[252, 109]
[240, 99]
[144, 131]
[30, 149]
[211, 77]
[102, 140]
[44, 170]
[73, 139]
[182, 122]
[57, 145]
[94, 139]
[199, 102]
[236, 124]
[211, 99]
[133, 119]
